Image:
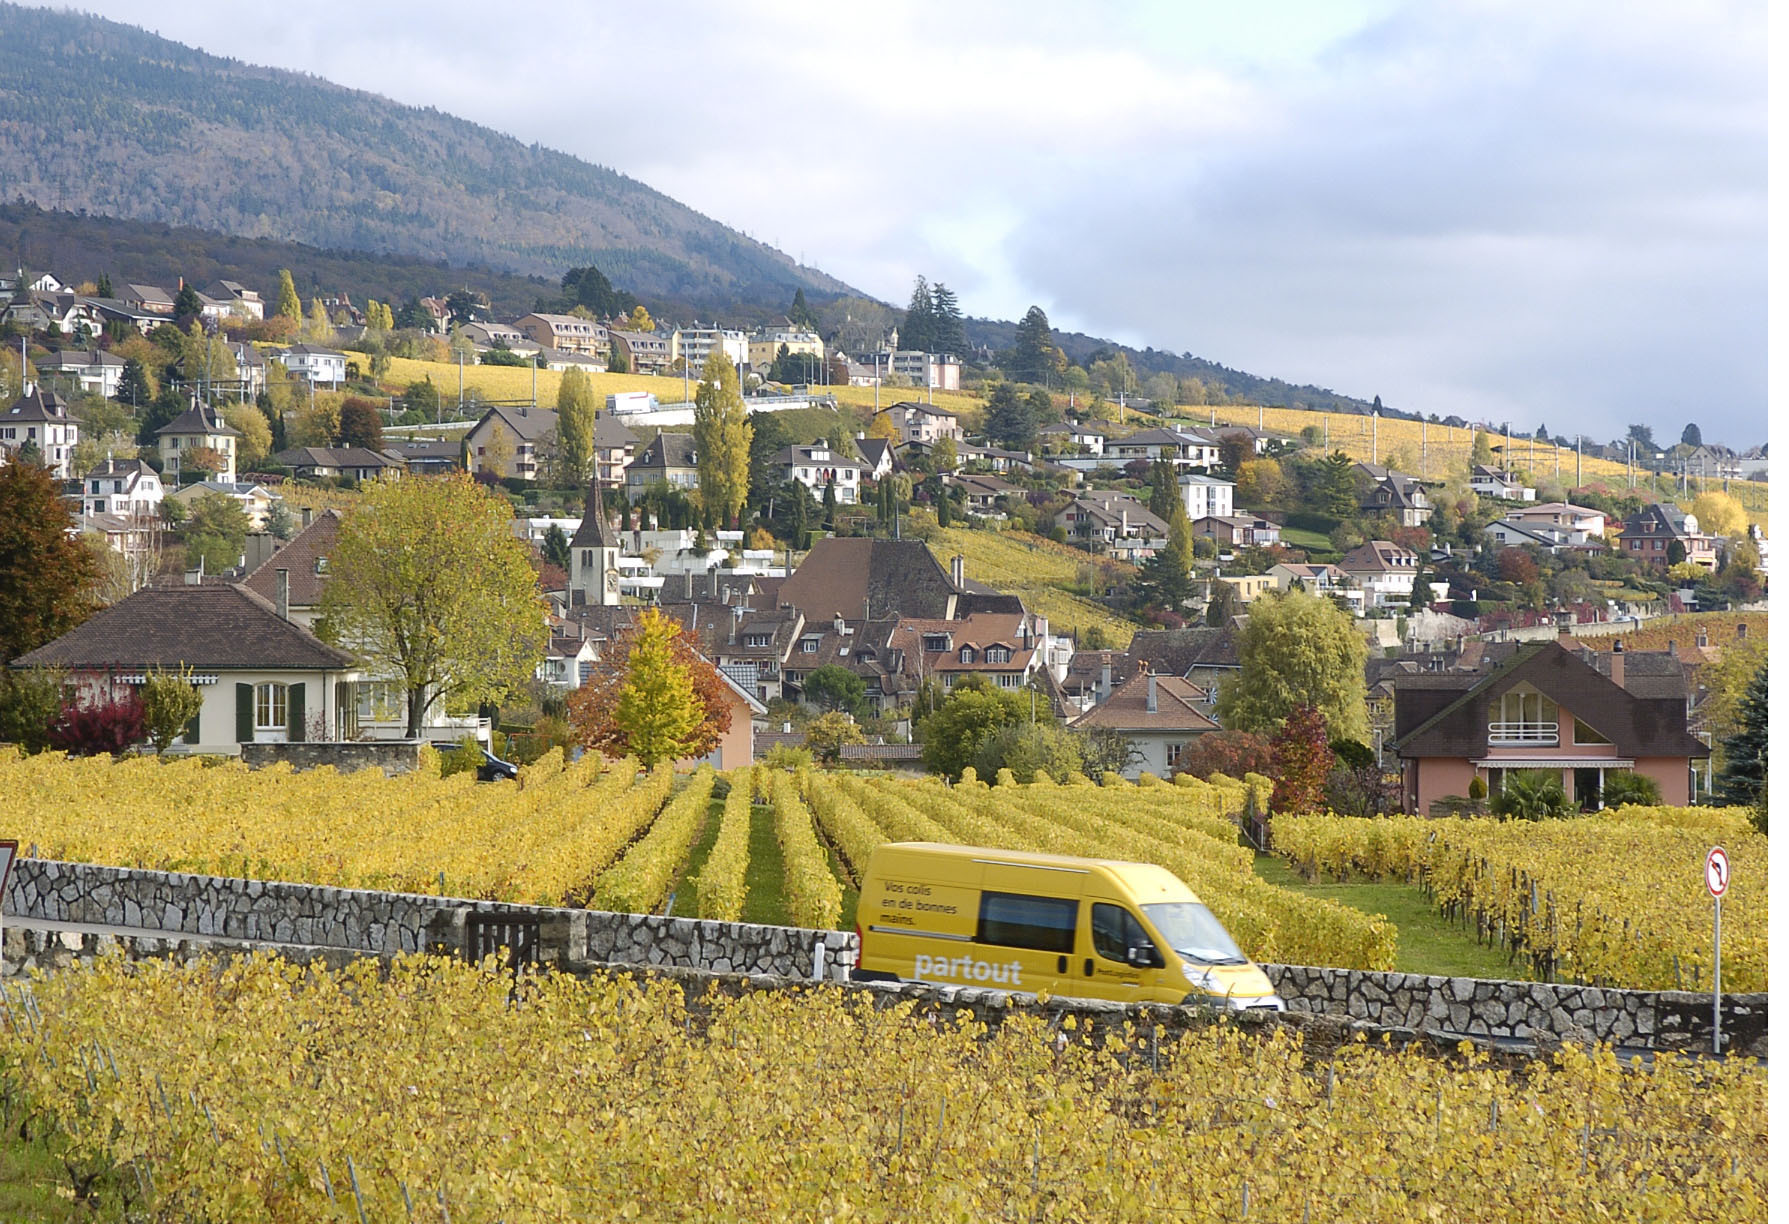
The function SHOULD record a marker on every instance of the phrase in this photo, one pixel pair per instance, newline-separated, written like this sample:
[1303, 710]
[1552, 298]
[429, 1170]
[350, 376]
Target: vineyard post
[9, 850]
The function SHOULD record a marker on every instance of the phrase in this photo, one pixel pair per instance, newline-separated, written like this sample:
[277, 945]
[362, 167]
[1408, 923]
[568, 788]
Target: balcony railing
[1529, 733]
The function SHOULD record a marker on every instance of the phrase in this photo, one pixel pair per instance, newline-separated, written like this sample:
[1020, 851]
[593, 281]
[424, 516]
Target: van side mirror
[1142, 956]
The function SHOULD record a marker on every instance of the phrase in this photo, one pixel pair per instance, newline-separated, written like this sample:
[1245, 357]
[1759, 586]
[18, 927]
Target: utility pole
[1580, 461]
[1425, 459]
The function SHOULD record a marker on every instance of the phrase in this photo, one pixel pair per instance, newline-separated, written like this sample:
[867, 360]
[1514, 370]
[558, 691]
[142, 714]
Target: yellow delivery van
[1088, 928]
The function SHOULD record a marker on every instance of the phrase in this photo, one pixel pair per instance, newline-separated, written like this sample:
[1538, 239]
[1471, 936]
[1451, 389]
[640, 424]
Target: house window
[1008, 680]
[379, 700]
[1584, 733]
[1174, 751]
[1525, 716]
[966, 655]
[270, 707]
[937, 643]
[999, 654]
[810, 645]
[757, 639]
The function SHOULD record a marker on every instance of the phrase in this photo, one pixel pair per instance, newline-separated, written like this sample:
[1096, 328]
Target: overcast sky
[1547, 212]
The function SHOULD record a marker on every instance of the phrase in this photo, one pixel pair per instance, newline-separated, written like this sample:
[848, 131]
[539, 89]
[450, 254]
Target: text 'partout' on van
[1047, 923]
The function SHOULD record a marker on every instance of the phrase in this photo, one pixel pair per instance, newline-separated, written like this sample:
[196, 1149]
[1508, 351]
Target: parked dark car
[496, 767]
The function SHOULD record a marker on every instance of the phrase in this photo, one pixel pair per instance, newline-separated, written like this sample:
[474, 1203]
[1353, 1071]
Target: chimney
[956, 573]
[304, 516]
[1105, 678]
[1618, 664]
[1150, 698]
[1739, 632]
[1672, 647]
[282, 593]
[1701, 637]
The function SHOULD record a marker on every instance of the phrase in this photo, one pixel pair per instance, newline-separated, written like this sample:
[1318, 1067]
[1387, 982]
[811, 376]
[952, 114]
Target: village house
[201, 441]
[817, 465]
[484, 336]
[646, 352]
[568, 332]
[335, 462]
[1648, 536]
[937, 371]
[1106, 520]
[314, 363]
[511, 441]
[1185, 448]
[1238, 530]
[1401, 497]
[612, 446]
[877, 455]
[1207, 497]
[1577, 714]
[692, 346]
[125, 487]
[669, 460]
[982, 495]
[1068, 437]
[40, 419]
[923, 423]
[237, 298]
[92, 370]
[1577, 523]
[1499, 483]
[766, 342]
[1159, 715]
[255, 500]
[263, 678]
[1384, 572]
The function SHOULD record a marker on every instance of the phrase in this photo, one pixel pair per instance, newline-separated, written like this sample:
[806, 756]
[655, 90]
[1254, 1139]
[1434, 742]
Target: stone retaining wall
[1652, 1019]
[391, 757]
[174, 905]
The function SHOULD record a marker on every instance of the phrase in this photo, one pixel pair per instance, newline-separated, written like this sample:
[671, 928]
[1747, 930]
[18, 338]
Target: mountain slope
[105, 117]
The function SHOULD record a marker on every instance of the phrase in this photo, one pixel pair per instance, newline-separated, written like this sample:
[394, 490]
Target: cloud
[1535, 212]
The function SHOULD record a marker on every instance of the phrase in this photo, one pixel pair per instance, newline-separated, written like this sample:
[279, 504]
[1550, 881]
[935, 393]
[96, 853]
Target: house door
[1587, 788]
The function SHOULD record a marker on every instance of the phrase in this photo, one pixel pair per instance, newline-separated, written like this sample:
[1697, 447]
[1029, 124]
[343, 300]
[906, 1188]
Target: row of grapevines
[811, 893]
[640, 881]
[542, 840]
[852, 833]
[1616, 898]
[431, 1090]
[720, 888]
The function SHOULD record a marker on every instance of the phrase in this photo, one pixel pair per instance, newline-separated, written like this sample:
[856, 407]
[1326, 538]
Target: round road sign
[1717, 872]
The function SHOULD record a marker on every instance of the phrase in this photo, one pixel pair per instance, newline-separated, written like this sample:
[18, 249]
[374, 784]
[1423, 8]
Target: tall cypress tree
[1164, 490]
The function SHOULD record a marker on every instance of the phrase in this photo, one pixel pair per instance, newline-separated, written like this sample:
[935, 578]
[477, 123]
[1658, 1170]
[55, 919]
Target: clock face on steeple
[612, 581]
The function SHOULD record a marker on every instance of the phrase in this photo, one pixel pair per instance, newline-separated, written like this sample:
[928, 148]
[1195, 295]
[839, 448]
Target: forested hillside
[105, 117]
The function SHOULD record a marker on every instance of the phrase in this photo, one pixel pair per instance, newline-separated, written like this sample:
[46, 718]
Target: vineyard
[1046, 575]
[1616, 899]
[613, 838]
[261, 1090]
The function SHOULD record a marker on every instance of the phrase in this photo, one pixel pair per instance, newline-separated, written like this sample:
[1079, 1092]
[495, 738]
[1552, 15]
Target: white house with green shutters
[264, 678]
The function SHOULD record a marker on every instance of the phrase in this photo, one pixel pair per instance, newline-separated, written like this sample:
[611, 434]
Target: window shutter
[191, 734]
[295, 713]
[245, 713]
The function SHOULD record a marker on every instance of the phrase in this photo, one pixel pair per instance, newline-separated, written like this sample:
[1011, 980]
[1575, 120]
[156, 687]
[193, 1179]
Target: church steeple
[596, 553]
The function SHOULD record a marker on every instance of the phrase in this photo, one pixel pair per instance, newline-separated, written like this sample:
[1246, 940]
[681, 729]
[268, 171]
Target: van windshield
[1194, 932]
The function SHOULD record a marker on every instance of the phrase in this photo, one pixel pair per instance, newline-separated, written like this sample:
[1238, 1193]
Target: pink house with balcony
[1554, 706]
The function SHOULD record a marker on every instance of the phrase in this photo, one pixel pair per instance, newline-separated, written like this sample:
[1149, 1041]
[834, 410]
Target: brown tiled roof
[594, 529]
[1127, 709]
[298, 557]
[897, 577]
[199, 419]
[212, 626]
[1175, 652]
[1448, 714]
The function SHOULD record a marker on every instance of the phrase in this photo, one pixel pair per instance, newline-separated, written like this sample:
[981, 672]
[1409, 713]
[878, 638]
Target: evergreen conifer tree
[1744, 778]
[918, 326]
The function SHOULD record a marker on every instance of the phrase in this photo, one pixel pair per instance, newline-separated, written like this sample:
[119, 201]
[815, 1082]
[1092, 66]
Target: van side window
[1116, 929]
[1018, 921]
